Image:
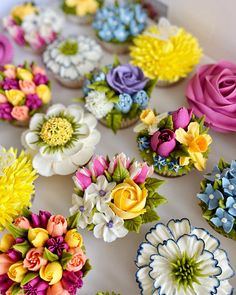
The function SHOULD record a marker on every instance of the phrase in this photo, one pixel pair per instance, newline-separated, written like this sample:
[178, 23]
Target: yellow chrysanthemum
[167, 60]
[16, 185]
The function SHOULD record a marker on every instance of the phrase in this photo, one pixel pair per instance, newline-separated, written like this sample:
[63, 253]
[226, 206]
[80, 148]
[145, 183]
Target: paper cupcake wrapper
[163, 83]
[38, 51]
[75, 84]
[81, 20]
[115, 48]
[126, 123]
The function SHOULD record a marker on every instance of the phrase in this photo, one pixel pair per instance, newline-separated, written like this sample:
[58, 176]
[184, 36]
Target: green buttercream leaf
[208, 214]
[16, 231]
[150, 216]
[134, 224]
[28, 277]
[26, 212]
[166, 123]
[1, 77]
[72, 221]
[68, 9]
[66, 257]
[113, 120]
[134, 111]
[90, 227]
[108, 176]
[152, 184]
[154, 200]
[16, 289]
[23, 248]
[86, 268]
[112, 96]
[217, 184]
[48, 255]
[151, 84]
[120, 173]
[180, 151]
[223, 164]
[203, 185]
[116, 61]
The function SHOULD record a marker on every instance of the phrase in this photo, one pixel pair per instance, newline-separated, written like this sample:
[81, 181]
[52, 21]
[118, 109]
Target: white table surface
[113, 264]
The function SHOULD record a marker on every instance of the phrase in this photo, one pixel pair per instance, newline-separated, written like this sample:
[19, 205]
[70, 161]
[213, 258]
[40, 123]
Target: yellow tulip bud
[24, 74]
[44, 93]
[17, 272]
[9, 66]
[52, 272]
[73, 238]
[6, 243]
[148, 117]
[38, 236]
[21, 11]
[14, 96]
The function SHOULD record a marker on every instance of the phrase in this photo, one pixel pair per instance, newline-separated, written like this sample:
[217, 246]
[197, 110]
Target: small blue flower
[99, 77]
[141, 98]
[143, 143]
[229, 186]
[174, 165]
[231, 205]
[140, 14]
[215, 175]
[159, 162]
[105, 34]
[126, 15]
[211, 197]
[125, 103]
[121, 34]
[97, 25]
[223, 219]
[113, 23]
[85, 87]
[135, 28]
[230, 172]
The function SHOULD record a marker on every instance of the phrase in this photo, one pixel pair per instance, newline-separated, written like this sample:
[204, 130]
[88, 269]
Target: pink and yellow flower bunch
[24, 90]
[42, 254]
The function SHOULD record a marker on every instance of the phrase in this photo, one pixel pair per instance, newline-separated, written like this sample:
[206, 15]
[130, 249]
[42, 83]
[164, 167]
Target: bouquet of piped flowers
[42, 254]
[115, 196]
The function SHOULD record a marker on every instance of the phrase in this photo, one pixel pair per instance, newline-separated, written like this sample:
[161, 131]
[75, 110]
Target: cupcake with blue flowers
[117, 25]
[218, 198]
[117, 94]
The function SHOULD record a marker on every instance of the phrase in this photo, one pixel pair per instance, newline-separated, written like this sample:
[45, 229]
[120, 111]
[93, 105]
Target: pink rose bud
[38, 70]
[140, 171]
[77, 261]
[122, 158]
[181, 118]
[22, 222]
[5, 263]
[163, 142]
[57, 225]
[20, 113]
[3, 98]
[10, 73]
[98, 165]
[34, 259]
[83, 178]
[28, 87]
[57, 289]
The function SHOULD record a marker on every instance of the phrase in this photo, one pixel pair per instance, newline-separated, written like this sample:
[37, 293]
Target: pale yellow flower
[21, 11]
[83, 7]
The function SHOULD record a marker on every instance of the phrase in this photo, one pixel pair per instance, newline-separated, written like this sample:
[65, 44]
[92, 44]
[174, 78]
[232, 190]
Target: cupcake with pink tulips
[42, 254]
[24, 90]
[115, 196]
[174, 143]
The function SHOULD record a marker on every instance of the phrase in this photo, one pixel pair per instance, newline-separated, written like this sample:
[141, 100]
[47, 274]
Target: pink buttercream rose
[38, 70]
[10, 73]
[5, 263]
[34, 259]
[20, 113]
[57, 289]
[57, 225]
[3, 98]
[212, 92]
[28, 87]
[77, 261]
[22, 222]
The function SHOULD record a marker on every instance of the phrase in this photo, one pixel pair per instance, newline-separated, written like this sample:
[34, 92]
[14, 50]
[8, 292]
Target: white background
[113, 264]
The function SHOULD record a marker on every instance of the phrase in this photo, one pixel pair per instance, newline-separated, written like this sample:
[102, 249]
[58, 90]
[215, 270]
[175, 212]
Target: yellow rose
[17, 272]
[14, 96]
[9, 66]
[21, 11]
[38, 236]
[44, 93]
[148, 117]
[6, 243]
[24, 74]
[129, 199]
[52, 272]
[73, 238]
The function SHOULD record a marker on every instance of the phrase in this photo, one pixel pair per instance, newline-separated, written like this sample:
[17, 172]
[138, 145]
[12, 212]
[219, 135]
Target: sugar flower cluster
[24, 90]
[218, 198]
[80, 7]
[32, 26]
[173, 142]
[115, 196]
[120, 23]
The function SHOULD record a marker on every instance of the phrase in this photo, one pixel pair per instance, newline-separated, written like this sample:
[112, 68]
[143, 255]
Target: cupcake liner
[37, 51]
[74, 84]
[81, 20]
[163, 83]
[126, 123]
[115, 48]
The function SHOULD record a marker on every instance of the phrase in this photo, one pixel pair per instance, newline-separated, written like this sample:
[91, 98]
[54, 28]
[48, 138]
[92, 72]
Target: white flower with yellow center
[61, 140]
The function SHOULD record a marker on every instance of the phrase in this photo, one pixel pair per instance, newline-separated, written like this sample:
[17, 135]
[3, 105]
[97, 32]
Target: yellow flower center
[56, 132]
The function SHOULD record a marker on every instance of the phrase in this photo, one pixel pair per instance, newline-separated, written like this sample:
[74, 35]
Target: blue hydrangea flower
[105, 34]
[135, 28]
[174, 165]
[215, 175]
[113, 23]
[159, 162]
[229, 186]
[211, 197]
[230, 172]
[141, 98]
[85, 87]
[126, 15]
[140, 15]
[223, 219]
[231, 205]
[99, 77]
[125, 103]
[121, 34]
[143, 143]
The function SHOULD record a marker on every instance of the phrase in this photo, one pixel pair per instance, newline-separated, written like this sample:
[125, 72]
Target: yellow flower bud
[148, 117]
[44, 93]
[21, 11]
[73, 238]
[17, 272]
[24, 74]
[9, 66]
[6, 242]
[52, 272]
[38, 236]
[14, 96]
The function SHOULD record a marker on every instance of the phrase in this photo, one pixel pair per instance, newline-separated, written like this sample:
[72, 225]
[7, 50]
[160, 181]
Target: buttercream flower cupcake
[165, 52]
[61, 140]
[117, 25]
[218, 198]
[24, 90]
[211, 92]
[179, 258]
[174, 143]
[116, 94]
[71, 58]
[33, 27]
[107, 293]
[42, 254]
[6, 50]
[115, 196]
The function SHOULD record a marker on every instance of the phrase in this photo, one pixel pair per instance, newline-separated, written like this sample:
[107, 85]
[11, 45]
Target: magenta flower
[40, 79]
[6, 50]
[98, 165]
[35, 286]
[33, 101]
[57, 245]
[41, 219]
[163, 142]
[71, 281]
[5, 283]
[140, 171]
[181, 118]
[5, 111]
[83, 178]
[10, 84]
[18, 35]
[14, 255]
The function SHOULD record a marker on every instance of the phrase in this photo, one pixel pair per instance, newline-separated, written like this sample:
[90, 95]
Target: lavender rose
[181, 118]
[163, 142]
[126, 79]
[212, 92]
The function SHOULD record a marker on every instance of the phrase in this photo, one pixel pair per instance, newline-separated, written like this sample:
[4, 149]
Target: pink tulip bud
[83, 178]
[98, 165]
[163, 142]
[122, 158]
[140, 171]
[181, 118]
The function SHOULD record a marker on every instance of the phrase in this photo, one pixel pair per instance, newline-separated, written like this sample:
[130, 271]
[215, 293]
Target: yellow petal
[199, 161]
[183, 161]
[182, 136]
[193, 129]
[125, 215]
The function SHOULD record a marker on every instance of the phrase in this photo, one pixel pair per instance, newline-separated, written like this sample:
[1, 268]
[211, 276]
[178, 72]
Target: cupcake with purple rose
[24, 90]
[116, 94]
[174, 143]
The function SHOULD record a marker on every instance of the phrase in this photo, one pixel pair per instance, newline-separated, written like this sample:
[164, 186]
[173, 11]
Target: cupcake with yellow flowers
[24, 90]
[174, 143]
[165, 52]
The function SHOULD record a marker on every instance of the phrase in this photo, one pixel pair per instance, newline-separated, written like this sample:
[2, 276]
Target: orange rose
[34, 259]
[57, 225]
[22, 222]
[77, 261]
[20, 113]
[27, 87]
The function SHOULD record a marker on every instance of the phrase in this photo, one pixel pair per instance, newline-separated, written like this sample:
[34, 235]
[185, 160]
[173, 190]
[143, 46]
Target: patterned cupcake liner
[115, 48]
[74, 84]
[126, 122]
[81, 20]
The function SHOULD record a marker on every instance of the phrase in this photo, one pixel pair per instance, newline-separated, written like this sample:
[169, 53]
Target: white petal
[207, 287]
[208, 265]
[144, 281]
[31, 139]
[211, 243]
[225, 288]
[77, 200]
[190, 246]
[43, 165]
[158, 235]
[83, 156]
[98, 231]
[93, 138]
[188, 291]
[108, 235]
[90, 120]
[145, 251]
[35, 121]
[74, 149]
[76, 111]
[169, 250]
[179, 227]
[64, 167]
[99, 218]
[84, 131]
[55, 109]
[120, 231]
[223, 262]
[140, 127]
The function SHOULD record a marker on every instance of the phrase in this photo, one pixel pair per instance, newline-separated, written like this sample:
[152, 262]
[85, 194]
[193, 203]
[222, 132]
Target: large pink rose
[212, 92]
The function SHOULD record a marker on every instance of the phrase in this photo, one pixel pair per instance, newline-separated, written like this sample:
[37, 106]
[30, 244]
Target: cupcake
[6, 50]
[17, 189]
[211, 92]
[174, 143]
[24, 91]
[116, 94]
[107, 293]
[61, 140]
[42, 254]
[115, 196]
[165, 52]
[81, 11]
[178, 258]
[218, 198]
[33, 27]
[70, 59]
[117, 25]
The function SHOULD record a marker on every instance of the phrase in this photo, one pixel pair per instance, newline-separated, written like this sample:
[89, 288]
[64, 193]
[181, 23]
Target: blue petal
[204, 198]
[230, 202]
[232, 211]
[209, 189]
[216, 221]
[228, 226]
[220, 212]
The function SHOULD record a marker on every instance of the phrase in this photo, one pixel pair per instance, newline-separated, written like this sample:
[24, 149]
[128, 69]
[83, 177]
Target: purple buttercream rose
[40, 79]
[57, 245]
[10, 84]
[33, 101]
[71, 281]
[5, 283]
[181, 118]
[5, 111]
[36, 286]
[126, 79]
[163, 142]
[41, 219]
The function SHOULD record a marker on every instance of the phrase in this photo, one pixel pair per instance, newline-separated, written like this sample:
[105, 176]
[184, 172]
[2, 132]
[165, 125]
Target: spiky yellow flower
[166, 59]
[16, 184]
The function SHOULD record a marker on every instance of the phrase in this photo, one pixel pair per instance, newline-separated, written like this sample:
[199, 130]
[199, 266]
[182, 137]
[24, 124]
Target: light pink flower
[38, 70]
[22, 222]
[57, 289]
[28, 87]
[83, 178]
[3, 98]
[140, 171]
[77, 261]
[10, 73]
[57, 225]
[20, 113]
[98, 165]
[34, 259]
[5, 263]
[18, 34]
[122, 158]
